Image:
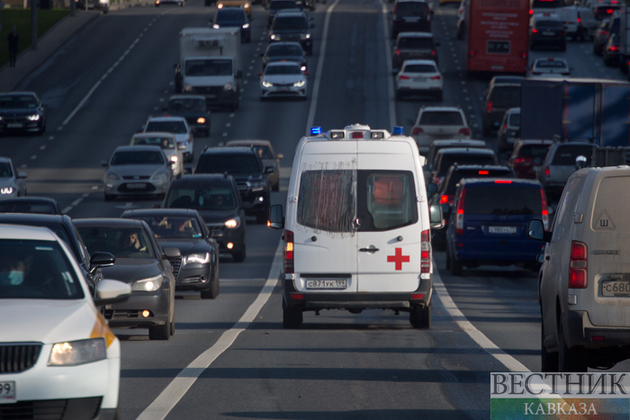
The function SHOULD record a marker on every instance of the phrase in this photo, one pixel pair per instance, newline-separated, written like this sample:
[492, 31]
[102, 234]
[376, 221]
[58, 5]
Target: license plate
[211, 96]
[502, 229]
[420, 79]
[139, 186]
[411, 19]
[616, 288]
[15, 125]
[327, 284]
[7, 392]
[546, 33]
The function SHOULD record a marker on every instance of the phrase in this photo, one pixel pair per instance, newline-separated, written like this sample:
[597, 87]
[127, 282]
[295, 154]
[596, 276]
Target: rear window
[506, 96]
[232, 164]
[502, 200]
[411, 8]
[457, 176]
[464, 159]
[545, 4]
[413, 43]
[420, 68]
[549, 24]
[514, 120]
[441, 118]
[534, 151]
[610, 211]
[207, 197]
[565, 155]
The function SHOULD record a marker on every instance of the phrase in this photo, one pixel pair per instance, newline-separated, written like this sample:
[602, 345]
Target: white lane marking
[390, 81]
[179, 386]
[23, 166]
[51, 138]
[42, 147]
[320, 68]
[466, 326]
[33, 157]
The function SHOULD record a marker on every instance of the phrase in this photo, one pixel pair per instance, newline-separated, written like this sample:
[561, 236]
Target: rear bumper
[581, 331]
[485, 253]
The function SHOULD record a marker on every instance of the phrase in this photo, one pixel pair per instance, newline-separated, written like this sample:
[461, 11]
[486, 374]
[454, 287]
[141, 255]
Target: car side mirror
[276, 217]
[536, 231]
[101, 259]
[436, 216]
[109, 292]
[172, 253]
[280, 156]
[268, 169]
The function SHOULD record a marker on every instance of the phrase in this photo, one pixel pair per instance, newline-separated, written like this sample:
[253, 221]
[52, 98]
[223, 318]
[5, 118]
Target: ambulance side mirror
[276, 217]
[436, 216]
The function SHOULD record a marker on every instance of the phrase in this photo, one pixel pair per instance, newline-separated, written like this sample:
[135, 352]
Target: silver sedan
[283, 79]
[12, 182]
[168, 144]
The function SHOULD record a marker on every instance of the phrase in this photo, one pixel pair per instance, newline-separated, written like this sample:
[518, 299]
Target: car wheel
[292, 318]
[574, 359]
[456, 266]
[548, 361]
[108, 197]
[160, 332]
[420, 316]
[172, 327]
[209, 293]
[240, 255]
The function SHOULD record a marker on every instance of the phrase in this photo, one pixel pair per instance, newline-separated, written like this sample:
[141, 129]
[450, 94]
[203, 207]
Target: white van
[579, 22]
[585, 273]
[357, 230]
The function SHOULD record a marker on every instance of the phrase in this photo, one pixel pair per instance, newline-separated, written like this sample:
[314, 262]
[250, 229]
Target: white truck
[210, 65]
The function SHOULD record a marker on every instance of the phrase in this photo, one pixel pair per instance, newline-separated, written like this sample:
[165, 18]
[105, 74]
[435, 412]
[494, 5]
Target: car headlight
[227, 86]
[247, 5]
[147, 285]
[246, 26]
[72, 353]
[188, 88]
[201, 120]
[233, 223]
[34, 117]
[300, 83]
[1, 118]
[160, 178]
[275, 37]
[303, 68]
[216, 26]
[266, 84]
[197, 258]
[111, 176]
[219, 5]
[305, 36]
[6, 190]
[174, 158]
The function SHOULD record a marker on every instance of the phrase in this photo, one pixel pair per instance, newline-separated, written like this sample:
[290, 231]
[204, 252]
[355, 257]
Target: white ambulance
[357, 230]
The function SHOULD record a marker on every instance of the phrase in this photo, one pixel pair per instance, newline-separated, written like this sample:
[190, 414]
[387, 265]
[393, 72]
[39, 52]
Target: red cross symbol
[398, 259]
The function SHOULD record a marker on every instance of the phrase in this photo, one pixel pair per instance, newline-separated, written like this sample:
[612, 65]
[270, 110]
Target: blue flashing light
[315, 131]
[398, 131]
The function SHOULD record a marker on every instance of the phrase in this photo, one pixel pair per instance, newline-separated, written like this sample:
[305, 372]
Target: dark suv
[292, 26]
[247, 169]
[414, 45]
[411, 16]
[499, 98]
[277, 5]
[217, 200]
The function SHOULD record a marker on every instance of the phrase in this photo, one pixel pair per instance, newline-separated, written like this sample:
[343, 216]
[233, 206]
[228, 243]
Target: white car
[12, 182]
[419, 77]
[179, 127]
[57, 352]
[168, 144]
[439, 123]
[549, 67]
[283, 79]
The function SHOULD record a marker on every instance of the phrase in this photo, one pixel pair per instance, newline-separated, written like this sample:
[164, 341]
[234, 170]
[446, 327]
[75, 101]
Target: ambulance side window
[326, 200]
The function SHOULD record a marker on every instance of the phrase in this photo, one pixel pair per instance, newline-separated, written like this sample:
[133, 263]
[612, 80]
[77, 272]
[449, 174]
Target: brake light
[545, 212]
[288, 252]
[579, 20]
[435, 77]
[397, 52]
[519, 160]
[505, 126]
[534, 31]
[547, 171]
[459, 221]
[433, 53]
[489, 107]
[614, 48]
[483, 172]
[444, 199]
[604, 32]
[502, 181]
[357, 134]
[531, 12]
[403, 77]
[425, 251]
[464, 131]
[416, 131]
[610, 11]
[578, 266]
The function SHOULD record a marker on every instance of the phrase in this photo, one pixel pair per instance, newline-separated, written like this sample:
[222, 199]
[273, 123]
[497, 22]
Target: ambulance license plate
[327, 284]
[139, 186]
[616, 288]
[502, 229]
[7, 392]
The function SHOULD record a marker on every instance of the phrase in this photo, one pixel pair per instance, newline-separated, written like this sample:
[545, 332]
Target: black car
[91, 263]
[217, 199]
[42, 205]
[233, 17]
[292, 26]
[413, 46]
[498, 98]
[140, 262]
[411, 16]
[185, 229]
[602, 33]
[21, 112]
[252, 178]
[547, 32]
[276, 5]
[284, 51]
[611, 51]
[194, 109]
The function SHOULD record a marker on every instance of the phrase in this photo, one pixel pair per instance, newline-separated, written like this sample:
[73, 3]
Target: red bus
[496, 36]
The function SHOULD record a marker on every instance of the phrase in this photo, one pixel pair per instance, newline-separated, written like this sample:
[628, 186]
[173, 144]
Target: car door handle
[370, 249]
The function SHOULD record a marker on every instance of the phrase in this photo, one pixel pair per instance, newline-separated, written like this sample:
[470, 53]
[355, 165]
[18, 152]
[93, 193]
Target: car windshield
[502, 200]
[565, 155]
[506, 96]
[163, 142]
[415, 43]
[17, 101]
[441, 118]
[230, 15]
[173, 226]
[137, 158]
[123, 241]
[278, 5]
[290, 23]
[232, 164]
[276, 70]
[175, 127]
[463, 159]
[210, 67]
[284, 50]
[420, 68]
[264, 152]
[208, 197]
[515, 119]
[411, 8]
[32, 269]
[9, 206]
[5, 170]
[188, 104]
[534, 151]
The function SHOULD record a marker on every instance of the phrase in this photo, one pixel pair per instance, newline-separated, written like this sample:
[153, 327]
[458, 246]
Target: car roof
[534, 142]
[228, 150]
[456, 167]
[284, 43]
[153, 134]
[283, 64]
[419, 61]
[472, 150]
[26, 232]
[415, 35]
[35, 218]
[463, 142]
[187, 97]
[18, 93]
[199, 179]
[5, 159]
[166, 118]
[441, 108]
[506, 79]
[513, 181]
[235, 143]
[515, 110]
[138, 148]
[289, 13]
[129, 214]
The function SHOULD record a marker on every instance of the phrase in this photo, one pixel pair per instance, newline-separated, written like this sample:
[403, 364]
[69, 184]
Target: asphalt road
[230, 357]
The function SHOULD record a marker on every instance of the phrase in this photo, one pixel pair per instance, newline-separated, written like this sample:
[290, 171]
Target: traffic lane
[339, 365]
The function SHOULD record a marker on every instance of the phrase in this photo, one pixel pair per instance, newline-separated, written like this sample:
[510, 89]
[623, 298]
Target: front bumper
[194, 276]
[216, 96]
[129, 313]
[135, 187]
[20, 125]
[276, 91]
[225, 236]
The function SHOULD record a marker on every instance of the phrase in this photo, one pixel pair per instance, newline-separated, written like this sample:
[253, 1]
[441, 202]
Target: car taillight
[531, 12]
[433, 53]
[614, 48]
[425, 251]
[483, 173]
[444, 199]
[610, 11]
[459, 221]
[519, 160]
[504, 126]
[524, 55]
[489, 107]
[578, 266]
[579, 20]
[547, 171]
[435, 77]
[403, 77]
[534, 31]
[288, 252]
[604, 32]
[397, 52]
[464, 131]
[545, 212]
[416, 131]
